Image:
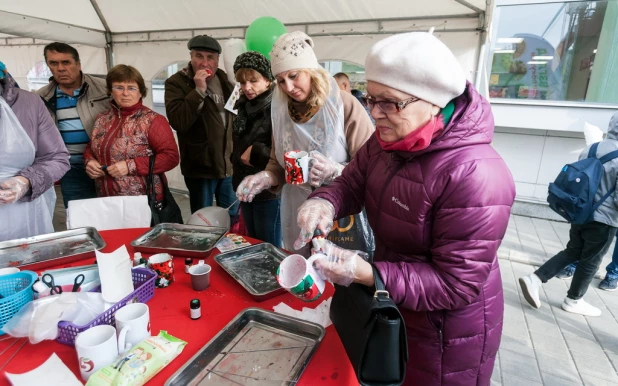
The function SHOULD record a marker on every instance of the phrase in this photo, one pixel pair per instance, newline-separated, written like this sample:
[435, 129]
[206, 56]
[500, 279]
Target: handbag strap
[150, 188]
[380, 293]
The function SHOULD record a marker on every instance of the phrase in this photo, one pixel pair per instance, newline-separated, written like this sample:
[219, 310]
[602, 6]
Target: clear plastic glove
[12, 189]
[323, 170]
[342, 266]
[253, 185]
[314, 214]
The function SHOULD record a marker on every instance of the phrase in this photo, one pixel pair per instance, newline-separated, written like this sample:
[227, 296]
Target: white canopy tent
[150, 34]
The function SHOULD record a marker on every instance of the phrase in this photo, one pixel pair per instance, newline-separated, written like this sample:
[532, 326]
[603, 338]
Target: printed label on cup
[96, 348]
[296, 167]
[298, 276]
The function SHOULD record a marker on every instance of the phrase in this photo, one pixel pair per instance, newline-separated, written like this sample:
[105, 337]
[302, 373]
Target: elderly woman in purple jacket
[438, 198]
[32, 157]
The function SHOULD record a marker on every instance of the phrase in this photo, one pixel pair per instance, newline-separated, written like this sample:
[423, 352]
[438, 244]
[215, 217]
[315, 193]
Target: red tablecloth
[169, 310]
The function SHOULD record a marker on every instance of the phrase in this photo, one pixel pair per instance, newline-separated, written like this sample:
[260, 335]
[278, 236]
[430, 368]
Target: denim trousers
[587, 244]
[76, 185]
[263, 221]
[202, 192]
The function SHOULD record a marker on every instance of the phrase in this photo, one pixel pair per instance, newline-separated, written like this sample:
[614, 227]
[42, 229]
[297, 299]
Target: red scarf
[417, 140]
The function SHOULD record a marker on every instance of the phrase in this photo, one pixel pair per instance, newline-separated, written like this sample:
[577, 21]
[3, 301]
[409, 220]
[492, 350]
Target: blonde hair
[320, 86]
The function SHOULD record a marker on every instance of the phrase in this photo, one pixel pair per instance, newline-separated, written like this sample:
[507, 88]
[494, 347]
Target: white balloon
[211, 216]
[230, 50]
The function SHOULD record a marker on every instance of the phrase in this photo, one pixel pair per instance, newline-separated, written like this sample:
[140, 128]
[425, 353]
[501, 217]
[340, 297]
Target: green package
[141, 363]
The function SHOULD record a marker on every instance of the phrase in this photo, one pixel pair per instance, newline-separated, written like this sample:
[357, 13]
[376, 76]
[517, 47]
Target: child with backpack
[584, 194]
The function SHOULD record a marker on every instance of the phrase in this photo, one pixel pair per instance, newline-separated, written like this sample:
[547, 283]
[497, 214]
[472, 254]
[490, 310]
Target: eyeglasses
[388, 107]
[121, 89]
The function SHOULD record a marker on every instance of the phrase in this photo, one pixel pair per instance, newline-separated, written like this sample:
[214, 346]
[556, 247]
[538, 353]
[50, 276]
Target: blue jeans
[76, 185]
[263, 221]
[612, 268]
[202, 191]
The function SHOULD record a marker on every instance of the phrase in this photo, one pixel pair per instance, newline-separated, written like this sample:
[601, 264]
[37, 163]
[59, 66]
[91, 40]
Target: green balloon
[262, 34]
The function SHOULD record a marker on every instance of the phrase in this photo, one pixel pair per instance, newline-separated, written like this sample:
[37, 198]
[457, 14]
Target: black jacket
[252, 127]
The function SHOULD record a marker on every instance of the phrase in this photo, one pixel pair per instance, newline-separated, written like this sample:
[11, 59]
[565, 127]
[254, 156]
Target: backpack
[571, 195]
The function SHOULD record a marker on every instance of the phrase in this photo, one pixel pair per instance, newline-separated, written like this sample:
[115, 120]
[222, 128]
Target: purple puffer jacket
[439, 216]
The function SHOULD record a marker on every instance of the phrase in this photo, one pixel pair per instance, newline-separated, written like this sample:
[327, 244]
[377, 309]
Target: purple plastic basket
[144, 284]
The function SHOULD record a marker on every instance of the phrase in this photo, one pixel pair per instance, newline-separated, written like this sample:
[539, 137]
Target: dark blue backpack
[571, 195]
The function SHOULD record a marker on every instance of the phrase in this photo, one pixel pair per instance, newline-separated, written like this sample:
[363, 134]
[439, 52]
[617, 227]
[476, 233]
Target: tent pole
[470, 6]
[484, 20]
[109, 47]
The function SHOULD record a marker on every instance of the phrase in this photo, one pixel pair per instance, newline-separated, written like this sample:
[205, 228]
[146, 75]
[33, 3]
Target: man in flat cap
[194, 101]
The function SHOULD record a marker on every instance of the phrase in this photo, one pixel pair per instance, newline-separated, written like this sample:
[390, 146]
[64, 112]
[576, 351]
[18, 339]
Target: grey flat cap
[204, 42]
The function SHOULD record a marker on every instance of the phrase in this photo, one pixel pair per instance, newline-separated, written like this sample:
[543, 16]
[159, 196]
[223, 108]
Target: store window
[158, 84]
[555, 52]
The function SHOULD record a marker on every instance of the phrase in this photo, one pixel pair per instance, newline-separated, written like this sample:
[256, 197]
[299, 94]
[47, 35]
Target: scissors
[79, 280]
[48, 280]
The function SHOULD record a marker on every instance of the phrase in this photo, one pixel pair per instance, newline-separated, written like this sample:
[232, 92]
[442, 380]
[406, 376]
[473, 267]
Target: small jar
[196, 309]
[137, 259]
[188, 264]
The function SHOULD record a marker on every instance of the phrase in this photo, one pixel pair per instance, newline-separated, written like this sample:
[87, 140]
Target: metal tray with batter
[255, 268]
[257, 347]
[179, 240]
[50, 249]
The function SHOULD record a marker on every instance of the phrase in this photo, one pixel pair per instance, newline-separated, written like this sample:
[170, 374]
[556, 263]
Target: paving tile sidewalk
[549, 346]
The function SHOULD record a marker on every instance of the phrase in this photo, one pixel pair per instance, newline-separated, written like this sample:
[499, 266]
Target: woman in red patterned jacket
[124, 137]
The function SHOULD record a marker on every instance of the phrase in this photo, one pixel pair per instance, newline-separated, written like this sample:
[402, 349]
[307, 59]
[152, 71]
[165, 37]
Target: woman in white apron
[309, 113]
[32, 158]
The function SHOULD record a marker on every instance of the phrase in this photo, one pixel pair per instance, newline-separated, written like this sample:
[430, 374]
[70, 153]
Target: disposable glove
[323, 170]
[254, 185]
[13, 189]
[342, 266]
[314, 214]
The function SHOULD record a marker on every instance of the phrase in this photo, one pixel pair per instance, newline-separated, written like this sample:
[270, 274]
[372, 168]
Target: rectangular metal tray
[255, 268]
[257, 347]
[179, 240]
[51, 249]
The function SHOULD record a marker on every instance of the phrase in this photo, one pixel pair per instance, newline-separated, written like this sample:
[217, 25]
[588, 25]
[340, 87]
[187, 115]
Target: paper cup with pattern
[298, 276]
[296, 167]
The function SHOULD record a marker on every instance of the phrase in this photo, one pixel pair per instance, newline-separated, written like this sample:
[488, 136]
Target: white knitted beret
[292, 51]
[418, 64]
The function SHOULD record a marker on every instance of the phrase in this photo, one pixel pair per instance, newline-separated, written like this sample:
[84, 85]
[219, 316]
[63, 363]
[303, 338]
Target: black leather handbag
[372, 331]
[166, 210]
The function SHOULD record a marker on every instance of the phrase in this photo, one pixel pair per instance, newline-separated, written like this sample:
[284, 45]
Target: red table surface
[169, 310]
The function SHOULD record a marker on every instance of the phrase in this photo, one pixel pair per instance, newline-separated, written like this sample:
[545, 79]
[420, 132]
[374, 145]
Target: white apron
[20, 219]
[323, 132]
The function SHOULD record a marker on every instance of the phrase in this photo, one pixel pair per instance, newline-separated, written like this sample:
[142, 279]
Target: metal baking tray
[257, 347]
[51, 249]
[255, 268]
[179, 239]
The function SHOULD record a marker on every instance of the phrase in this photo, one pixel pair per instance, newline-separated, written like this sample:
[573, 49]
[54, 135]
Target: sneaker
[566, 273]
[580, 307]
[609, 284]
[530, 286]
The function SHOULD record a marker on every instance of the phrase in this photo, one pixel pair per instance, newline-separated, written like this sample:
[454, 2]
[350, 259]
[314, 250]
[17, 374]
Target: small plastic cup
[200, 276]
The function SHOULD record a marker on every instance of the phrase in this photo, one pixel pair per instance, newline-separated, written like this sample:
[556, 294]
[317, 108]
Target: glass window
[355, 72]
[556, 52]
[158, 85]
[38, 76]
